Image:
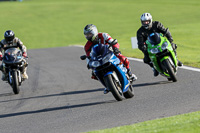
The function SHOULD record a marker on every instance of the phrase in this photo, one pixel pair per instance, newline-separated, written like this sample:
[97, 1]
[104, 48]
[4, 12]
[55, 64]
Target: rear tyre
[112, 85]
[15, 82]
[170, 70]
[129, 93]
[169, 79]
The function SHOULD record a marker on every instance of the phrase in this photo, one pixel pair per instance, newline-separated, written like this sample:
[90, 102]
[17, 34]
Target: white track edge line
[140, 60]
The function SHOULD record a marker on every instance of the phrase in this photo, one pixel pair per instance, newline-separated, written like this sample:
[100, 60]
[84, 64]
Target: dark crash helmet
[154, 38]
[9, 35]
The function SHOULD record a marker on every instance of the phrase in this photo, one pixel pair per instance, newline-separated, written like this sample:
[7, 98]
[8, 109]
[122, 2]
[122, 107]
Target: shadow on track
[55, 109]
[52, 95]
[153, 83]
[6, 94]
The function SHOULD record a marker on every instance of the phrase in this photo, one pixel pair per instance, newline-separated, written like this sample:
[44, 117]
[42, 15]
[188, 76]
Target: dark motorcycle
[14, 63]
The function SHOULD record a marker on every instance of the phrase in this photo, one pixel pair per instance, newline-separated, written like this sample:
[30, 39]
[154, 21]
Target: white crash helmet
[146, 20]
[90, 32]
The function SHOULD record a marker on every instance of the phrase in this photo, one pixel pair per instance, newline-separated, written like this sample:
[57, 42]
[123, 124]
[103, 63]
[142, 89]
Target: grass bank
[56, 23]
[186, 123]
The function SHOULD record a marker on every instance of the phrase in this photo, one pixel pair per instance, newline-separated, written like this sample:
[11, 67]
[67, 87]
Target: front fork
[114, 75]
[171, 61]
[124, 86]
[116, 79]
[10, 78]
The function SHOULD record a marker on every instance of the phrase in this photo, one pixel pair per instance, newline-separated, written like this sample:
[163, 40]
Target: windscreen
[154, 38]
[12, 54]
[99, 50]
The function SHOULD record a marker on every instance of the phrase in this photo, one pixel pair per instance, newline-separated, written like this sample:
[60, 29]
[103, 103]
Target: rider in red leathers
[93, 37]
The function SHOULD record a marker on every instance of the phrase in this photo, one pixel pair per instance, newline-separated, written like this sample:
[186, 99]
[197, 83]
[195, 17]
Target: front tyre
[129, 93]
[113, 87]
[170, 70]
[15, 82]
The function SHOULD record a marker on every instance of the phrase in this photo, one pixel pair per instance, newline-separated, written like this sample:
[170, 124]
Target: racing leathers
[105, 38]
[16, 43]
[143, 33]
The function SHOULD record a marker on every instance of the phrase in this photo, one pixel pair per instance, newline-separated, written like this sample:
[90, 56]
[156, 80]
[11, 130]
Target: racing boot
[94, 76]
[24, 74]
[155, 72]
[1, 68]
[174, 46]
[4, 76]
[106, 91]
[132, 76]
[180, 63]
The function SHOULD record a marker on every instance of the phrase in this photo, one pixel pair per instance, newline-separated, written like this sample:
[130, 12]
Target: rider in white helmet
[146, 20]
[149, 26]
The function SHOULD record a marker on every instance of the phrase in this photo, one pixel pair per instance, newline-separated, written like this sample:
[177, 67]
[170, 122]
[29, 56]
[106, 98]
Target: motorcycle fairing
[120, 71]
[162, 55]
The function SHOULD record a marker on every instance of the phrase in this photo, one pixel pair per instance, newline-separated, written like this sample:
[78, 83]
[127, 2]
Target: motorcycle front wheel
[113, 87]
[15, 82]
[170, 70]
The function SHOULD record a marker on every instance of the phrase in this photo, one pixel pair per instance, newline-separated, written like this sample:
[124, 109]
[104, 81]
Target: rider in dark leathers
[148, 27]
[10, 41]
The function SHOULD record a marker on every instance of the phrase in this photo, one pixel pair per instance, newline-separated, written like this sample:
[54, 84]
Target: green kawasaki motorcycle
[162, 56]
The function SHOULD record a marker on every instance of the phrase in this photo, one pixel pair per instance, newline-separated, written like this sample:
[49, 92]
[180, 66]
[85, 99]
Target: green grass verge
[186, 123]
[56, 23]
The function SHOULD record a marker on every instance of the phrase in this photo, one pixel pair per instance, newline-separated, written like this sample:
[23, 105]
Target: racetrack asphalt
[60, 96]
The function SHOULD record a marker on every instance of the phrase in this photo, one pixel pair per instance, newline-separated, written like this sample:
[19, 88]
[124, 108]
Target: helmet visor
[89, 36]
[9, 39]
[146, 22]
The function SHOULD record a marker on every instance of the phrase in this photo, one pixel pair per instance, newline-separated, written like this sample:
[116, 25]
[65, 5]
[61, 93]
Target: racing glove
[116, 51]
[1, 57]
[24, 54]
[174, 46]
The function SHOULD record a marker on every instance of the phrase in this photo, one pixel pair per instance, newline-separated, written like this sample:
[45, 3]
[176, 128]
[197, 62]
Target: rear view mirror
[83, 57]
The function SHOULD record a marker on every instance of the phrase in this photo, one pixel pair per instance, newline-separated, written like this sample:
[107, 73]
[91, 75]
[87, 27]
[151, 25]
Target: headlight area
[164, 46]
[94, 64]
[154, 50]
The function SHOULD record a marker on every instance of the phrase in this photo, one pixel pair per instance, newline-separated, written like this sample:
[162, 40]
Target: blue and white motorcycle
[110, 71]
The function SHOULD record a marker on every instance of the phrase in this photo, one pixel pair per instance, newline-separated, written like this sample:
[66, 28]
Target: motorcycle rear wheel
[112, 85]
